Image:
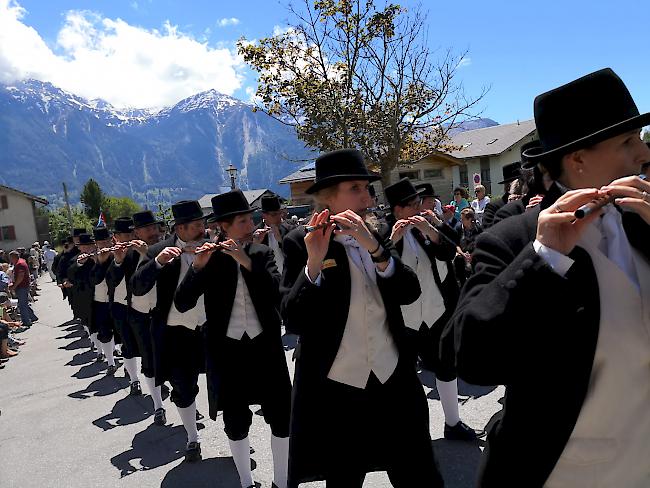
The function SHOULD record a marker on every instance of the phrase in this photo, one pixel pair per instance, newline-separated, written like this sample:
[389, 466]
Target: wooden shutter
[10, 233]
[3, 202]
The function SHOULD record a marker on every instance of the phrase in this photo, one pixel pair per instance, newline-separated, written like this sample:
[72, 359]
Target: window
[433, 173]
[486, 179]
[3, 202]
[464, 181]
[7, 233]
[411, 175]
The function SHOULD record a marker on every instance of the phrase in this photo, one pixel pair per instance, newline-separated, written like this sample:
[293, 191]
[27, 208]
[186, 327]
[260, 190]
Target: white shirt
[277, 252]
[49, 254]
[479, 207]
[195, 316]
[243, 318]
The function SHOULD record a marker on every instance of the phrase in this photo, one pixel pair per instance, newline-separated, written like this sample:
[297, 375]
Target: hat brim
[417, 194]
[333, 180]
[219, 218]
[537, 154]
[188, 219]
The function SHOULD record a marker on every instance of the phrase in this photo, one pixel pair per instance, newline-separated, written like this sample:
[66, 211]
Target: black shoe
[193, 452]
[100, 357]
[460, 432]
[117, 353]
[159, 417]
[110, 371]
[136, 389]
[199, 416]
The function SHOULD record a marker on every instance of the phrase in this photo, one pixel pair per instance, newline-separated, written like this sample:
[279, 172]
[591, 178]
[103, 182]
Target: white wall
[20, 214]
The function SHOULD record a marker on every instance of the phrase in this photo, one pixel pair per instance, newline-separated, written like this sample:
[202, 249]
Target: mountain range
[49, 136]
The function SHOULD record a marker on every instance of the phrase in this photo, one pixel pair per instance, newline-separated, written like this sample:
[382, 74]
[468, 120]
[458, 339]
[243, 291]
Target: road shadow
[90, 370]
[106, 385]
[74, 333]
[81, 343]
[466, 391]
[153, 447]
[208, 473]
[82, 358]
[458, 461]
[129, 410]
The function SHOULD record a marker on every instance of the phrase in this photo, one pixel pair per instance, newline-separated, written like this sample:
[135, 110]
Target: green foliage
[92, 198]
[59, 225]
[646, 136]
[350, 74]
[115, 207]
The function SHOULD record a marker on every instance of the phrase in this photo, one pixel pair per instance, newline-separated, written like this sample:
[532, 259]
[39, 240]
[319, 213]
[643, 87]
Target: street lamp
[232, 171]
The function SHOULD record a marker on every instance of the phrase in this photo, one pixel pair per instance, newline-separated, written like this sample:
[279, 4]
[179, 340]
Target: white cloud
[226, 22]
[126, 65]
[464, 61]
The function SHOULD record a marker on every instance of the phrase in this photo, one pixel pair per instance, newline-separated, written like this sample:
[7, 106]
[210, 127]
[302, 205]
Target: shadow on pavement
[80, 343]
[82, 358]
[90, 370]
[458, 461]
[208, 473]
[106, 385]
[428, 379]
[154, 447]
[128, 410]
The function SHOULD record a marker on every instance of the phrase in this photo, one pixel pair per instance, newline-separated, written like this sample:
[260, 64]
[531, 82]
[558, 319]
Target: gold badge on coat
[328, 263]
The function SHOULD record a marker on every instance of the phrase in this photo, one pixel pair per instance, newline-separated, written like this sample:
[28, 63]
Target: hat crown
[186, 211]
[146, 217]
[581, 108]
[101, 234]
[270, 203]
[400, 192]
[426, 190]
[340, 165]
[123, 224]
[230, 203]
[78, 231]
[86, 239]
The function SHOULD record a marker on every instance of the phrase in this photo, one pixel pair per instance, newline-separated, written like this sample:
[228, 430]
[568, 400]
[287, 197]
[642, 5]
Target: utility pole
[67, 206]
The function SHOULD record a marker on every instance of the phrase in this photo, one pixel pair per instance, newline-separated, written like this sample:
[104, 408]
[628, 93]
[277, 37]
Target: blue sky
[519, 49]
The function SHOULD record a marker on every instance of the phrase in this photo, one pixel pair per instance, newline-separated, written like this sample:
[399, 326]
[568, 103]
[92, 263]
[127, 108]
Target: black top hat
[340, 165]
[230, 204]
[586, 111]
[426, 190]
[69, 240]
[144, 218]
[101, 234]
[78, 231]
[123, 225]
[270, 203]
[510, 172]
[86, 239]
[533, 147]
[186, 211]
[400, 192]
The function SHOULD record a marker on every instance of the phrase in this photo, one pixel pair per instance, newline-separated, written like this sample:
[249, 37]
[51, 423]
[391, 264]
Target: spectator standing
[20, 286]
[479, 203]
[48, 255]
[460, 201]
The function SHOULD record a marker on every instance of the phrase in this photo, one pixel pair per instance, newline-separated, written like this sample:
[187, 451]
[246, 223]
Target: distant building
[298, 182]
[19, 224]
[481, 151]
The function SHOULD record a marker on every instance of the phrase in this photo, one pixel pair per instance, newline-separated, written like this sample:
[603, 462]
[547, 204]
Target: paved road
[65, 424]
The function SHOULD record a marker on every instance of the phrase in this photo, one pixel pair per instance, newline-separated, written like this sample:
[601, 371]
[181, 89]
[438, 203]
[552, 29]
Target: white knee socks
[154, 391]
[131, 366]
[448, 392]
[241, 454]
[108, 348]
[280, 450]
[188, 416]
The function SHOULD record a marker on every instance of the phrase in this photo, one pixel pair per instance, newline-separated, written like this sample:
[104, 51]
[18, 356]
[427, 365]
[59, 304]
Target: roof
[306, 173]
[26, 195]
[251, 196]
[490, 141]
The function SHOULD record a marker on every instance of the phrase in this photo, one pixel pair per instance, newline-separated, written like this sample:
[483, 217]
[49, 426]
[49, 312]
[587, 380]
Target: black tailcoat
[284, 229]
[84, 289]
[99, 274]
[218, 282]
[319, 315]
[166, 279]
[491, 209]
[115, 274]
[520, 324]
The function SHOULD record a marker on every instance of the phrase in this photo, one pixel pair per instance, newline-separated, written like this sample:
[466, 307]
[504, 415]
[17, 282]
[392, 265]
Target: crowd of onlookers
[19, 272]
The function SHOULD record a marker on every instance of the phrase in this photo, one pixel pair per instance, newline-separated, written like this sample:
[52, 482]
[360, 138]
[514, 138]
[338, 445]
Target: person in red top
[20, 286]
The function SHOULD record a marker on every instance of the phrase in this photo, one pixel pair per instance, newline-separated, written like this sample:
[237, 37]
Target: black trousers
[425, 344]
[237, 386]
[120, 314]
[102, 323]
[383, 425]
[182, 347]
[139, 328]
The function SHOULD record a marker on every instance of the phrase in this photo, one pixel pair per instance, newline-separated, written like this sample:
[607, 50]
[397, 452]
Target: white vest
[146, 302]
[243, 318]
[367, 344]
[610, 444]
[430, 305]
[101, 292]
[195, 316]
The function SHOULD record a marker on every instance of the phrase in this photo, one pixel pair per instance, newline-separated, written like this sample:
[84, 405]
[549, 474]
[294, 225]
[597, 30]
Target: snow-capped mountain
[49, 136]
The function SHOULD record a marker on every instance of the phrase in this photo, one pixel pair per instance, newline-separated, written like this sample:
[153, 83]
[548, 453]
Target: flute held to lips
[312, 228]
